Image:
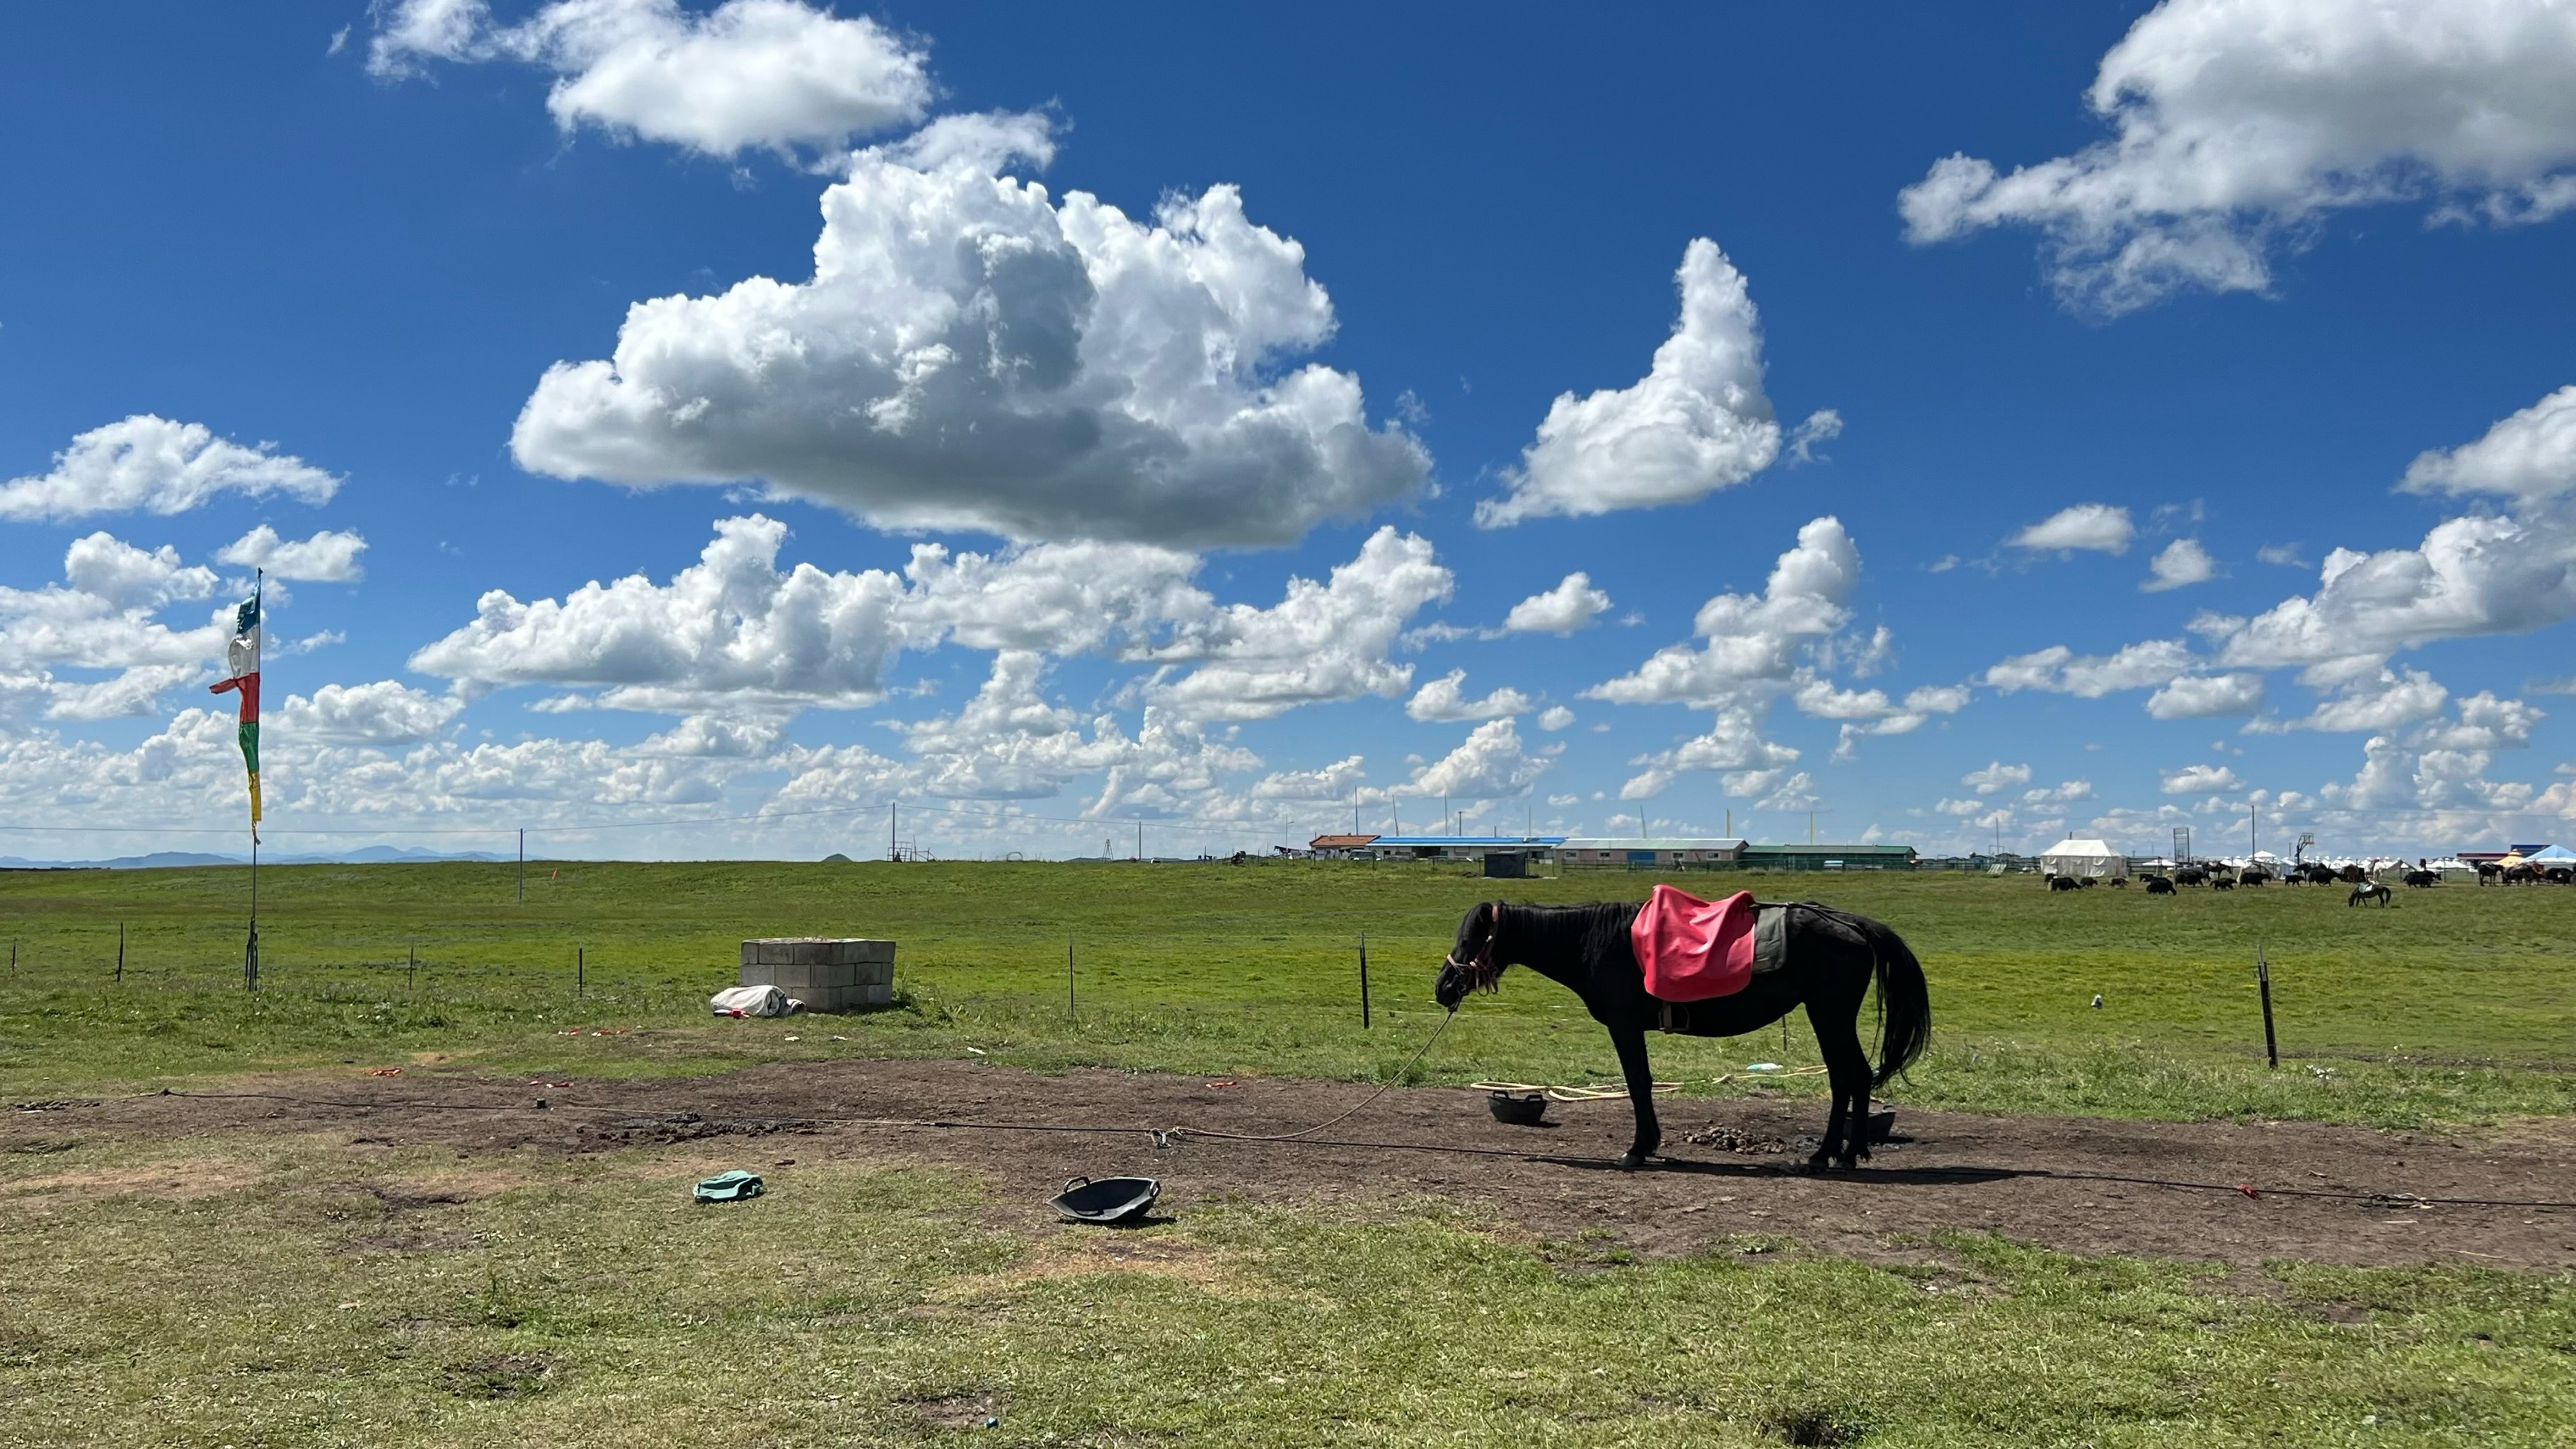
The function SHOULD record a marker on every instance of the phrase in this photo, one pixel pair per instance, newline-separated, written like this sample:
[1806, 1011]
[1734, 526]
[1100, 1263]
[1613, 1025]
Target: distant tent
[2555, 857]
[2084, 858]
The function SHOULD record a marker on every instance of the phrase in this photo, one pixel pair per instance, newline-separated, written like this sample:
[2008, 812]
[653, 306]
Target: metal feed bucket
[1109, 1200]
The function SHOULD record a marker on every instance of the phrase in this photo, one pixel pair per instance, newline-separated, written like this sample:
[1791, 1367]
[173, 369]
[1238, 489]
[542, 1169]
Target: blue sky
[2036, 310]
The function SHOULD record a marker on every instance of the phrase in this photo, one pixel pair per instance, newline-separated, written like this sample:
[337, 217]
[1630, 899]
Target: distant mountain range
[182, 859]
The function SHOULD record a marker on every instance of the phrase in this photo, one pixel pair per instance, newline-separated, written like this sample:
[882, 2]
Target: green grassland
[2454, 1006]
[252, 1289]
[304, 1296]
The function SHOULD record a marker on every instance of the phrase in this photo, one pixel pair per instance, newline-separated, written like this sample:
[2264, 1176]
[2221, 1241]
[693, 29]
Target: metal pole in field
[891, 810]
[580, 971]
[1068, 973]
[523, 865]
[411, 974]
[120, 953]
[2263, 978]
[1364, 1002]
[250, 949]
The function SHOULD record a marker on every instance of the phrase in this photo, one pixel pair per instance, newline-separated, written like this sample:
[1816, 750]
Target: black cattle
[2253, 875]
[2061, 883]
[2317, 874]
[2561, 875]
[2522, 875]
[2191, 875]
[2422, 879]
[2221, 883]
[2086, 881]
[2159, 886]
[2490, 873]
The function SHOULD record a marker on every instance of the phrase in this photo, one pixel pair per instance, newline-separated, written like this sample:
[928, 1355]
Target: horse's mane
[1596, 929]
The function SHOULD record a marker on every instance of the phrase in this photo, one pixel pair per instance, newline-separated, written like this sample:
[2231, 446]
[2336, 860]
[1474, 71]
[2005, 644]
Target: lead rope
[1167, 1136]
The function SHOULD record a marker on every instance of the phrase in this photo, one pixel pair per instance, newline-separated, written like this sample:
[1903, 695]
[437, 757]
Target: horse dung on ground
[1826, 962]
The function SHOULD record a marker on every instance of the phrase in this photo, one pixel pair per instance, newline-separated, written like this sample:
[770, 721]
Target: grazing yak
[2061, 883]
[2190, 875]
[2086, 881]
[2421, 879]
[2522, 875]
[2360, 893]
[2159, 886]
[2352, 875]
[2253, 875]
[2221, 883]
[2316, 875]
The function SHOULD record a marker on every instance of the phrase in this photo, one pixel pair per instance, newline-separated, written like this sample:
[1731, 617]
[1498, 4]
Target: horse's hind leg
[1846, 1138]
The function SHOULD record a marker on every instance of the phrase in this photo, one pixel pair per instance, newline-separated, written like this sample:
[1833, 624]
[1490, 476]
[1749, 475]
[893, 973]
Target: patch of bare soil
[955, 1411]
[502, 1376]
[2314, 1191]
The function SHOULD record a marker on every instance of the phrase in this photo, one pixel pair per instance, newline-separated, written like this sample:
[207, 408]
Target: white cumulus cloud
[1753, 639]
[2531, 454]
[1320, 643]
[748, 74]
[2205, 696]
[2200, 780]
[1697, 422]
[2060, 670]
[1489, 764]
[328, 557]
[1444, 700]
[2180, 563]
[1996, 777]
[2095, 527]
[158, 466]
[1573, 604]
[2238, 123]
[386, 712]
[970, 353]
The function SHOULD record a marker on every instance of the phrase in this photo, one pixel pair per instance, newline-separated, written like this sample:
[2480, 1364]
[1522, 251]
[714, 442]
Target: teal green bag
[729, 1187]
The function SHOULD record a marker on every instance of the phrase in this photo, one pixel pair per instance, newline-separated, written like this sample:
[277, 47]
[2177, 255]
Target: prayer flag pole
[241, 678]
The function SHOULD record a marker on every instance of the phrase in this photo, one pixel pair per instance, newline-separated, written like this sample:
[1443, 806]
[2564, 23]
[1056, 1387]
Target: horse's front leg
[1631, 1044]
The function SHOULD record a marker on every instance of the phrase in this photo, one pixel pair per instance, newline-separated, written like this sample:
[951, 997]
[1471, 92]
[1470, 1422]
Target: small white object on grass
[1763, 1067]
[2097, 1001]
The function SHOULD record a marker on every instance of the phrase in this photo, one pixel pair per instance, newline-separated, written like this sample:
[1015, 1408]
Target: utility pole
[1811, 827]
[523, 865]
[891, 850]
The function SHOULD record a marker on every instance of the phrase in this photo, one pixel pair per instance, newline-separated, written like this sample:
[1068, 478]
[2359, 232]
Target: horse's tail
[1904, 1002]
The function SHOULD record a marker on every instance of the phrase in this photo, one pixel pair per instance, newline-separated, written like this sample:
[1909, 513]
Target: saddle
[1695, 950]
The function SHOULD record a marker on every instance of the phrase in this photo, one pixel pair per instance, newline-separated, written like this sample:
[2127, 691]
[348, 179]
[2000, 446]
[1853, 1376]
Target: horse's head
[1471, 965]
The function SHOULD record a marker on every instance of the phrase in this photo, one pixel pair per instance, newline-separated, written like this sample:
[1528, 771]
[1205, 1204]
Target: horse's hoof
[1630, 1162]
[1818, 1163]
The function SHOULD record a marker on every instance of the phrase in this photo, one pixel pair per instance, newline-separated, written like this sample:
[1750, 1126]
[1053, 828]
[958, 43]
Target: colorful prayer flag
[241, 664]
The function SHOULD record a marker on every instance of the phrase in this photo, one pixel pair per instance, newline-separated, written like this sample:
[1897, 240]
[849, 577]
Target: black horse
[1830, 959]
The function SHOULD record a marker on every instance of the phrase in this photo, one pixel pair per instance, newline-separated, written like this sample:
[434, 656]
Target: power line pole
[523, 865]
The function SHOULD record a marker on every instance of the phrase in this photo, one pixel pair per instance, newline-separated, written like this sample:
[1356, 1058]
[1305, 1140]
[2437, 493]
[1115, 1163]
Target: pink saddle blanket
[1691, 949]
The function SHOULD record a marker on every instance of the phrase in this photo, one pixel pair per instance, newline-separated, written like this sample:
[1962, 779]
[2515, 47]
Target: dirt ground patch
[2160, 1189]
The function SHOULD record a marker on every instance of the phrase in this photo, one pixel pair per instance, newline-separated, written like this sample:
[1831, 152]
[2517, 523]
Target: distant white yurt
[2081, 858]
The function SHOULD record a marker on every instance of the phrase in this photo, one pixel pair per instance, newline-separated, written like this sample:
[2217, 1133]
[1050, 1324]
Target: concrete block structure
[827, 973]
